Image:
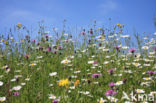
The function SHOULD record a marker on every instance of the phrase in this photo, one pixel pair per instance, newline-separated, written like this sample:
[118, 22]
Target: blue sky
[136, 14]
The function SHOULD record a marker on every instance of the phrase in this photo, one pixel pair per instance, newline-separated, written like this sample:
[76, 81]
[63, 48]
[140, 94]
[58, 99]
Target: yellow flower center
[66, 61]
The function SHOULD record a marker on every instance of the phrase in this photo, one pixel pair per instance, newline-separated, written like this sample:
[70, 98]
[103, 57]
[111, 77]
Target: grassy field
[99, 66]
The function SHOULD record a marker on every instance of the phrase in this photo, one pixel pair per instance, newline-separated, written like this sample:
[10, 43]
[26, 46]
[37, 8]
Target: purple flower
[111, 84]
[41, 48]
[111, 71]
[117, 48]
[38, 43]
[46, 36]
[55, 101]
[16, 94]
[91, 31]
[49, 49]
[96, 75]
[132, 50]
[95, 62]
[83, 33]
[124, 80]
[55, 52]
[154, 48]
[150, 72]
[27, 56]
[59, 47]
[34, 41]
[110, 92]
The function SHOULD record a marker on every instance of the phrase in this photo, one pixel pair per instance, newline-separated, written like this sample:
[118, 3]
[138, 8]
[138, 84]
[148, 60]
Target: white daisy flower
[106, 62]
[1, 83]
[73, 87]
[124, 36]
[50, 85]
[77, 71]
[112, 99]
[33, 64]
[2, 99]
[90, 62]
[23, 83]
[17, 88]
[13, 80]
[53, 74]
[140, 91]
[119, 83]
[147, 78]
[51, 96]
[145, 47]
[27, 79]
[65, 61]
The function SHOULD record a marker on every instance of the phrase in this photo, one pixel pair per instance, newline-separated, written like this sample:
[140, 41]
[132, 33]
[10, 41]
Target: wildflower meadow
[93, 65]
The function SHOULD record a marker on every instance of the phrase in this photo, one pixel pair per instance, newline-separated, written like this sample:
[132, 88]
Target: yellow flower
[102, 37]
[99, 28]
[64, 82]
[118, 24]
[6, 42]
[19, 25]
[120, 31]
[21, 41]
[121, 25]
[77, 82]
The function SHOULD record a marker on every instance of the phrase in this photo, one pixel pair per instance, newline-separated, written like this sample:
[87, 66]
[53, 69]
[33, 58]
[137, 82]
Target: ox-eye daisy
[119, 83]
[1, 83]
[2, 99]
[66, 61]
[140, 91]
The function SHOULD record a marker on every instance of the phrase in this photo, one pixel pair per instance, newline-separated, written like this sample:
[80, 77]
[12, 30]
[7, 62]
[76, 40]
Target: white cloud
[12, 17]
[108, 6]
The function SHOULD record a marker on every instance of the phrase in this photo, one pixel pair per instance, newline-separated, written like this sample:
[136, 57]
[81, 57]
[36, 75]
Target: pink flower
[154, 48]
[111, 71]
[83, 33]
[110, 92]
[150, 72]
[132, 50]
[117, 48]
[27, 56]
[96, 75]
[95, 62]
[49, 49]
[34, 41]
[91, 31]
[55, 101]
[16, 94]
[111, 84]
